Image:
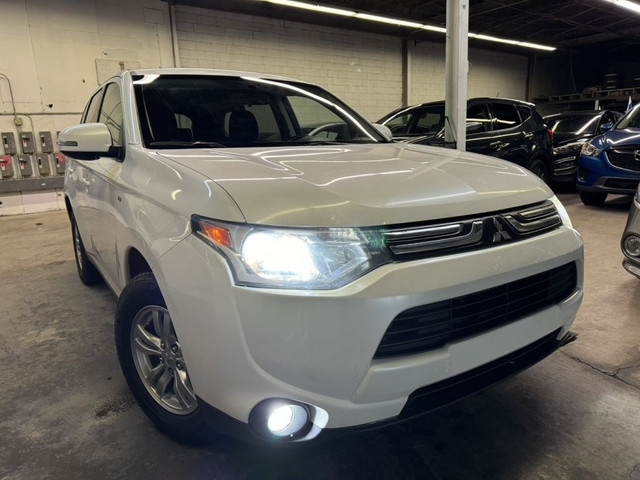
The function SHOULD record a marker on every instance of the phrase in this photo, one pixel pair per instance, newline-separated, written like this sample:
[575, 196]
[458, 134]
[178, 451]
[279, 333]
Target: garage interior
[68, 412]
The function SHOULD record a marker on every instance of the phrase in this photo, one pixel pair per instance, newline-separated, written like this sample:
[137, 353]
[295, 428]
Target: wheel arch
[136, 264]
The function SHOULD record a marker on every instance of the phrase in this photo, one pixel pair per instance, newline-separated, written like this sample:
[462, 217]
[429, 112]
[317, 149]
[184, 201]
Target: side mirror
[605, 127]
[384, 131]
[87, 141]
[474, 127]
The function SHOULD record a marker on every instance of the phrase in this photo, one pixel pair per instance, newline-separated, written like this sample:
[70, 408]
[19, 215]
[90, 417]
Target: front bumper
[565, 167]
[243, 345]
[596, 174]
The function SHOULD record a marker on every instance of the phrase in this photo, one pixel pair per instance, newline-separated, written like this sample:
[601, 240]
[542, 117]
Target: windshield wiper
[185, 144]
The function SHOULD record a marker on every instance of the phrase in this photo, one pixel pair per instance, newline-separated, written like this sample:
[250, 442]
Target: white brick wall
[362, 69]
[491, 74]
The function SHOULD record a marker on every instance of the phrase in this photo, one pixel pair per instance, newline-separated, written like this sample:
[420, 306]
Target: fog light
[287, 420]
[632, 245]
[281, 419]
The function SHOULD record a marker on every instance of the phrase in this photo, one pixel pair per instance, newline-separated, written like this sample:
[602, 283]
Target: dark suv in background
[509, 129]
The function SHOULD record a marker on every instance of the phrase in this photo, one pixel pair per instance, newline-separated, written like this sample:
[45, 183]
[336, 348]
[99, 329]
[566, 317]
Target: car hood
[560, 139]
[627, 136]
[357, 185]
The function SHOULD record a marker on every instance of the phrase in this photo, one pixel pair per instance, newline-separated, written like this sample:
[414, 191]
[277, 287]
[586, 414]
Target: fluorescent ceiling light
[392, 21]
[626, 4]
[315, 8]
[417, 25]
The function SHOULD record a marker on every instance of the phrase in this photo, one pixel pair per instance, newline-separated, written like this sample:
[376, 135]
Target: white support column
[457, 65]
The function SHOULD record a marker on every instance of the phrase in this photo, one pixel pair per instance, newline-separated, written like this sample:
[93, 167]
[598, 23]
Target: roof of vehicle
[577, 113]
[206, 71]
[475, 99]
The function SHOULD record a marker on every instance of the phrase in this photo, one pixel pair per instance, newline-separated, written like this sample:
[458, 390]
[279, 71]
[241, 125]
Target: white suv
[284, 270]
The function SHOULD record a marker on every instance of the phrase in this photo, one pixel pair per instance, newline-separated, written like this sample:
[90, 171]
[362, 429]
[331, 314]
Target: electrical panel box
[9, 143]
[46, 144]
[26, 169]
[6, 166]
[61, 163]
[27, 143]
[43, 161]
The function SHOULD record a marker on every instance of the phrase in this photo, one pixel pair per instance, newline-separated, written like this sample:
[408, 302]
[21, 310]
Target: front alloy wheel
[159, 361]
[153, 364]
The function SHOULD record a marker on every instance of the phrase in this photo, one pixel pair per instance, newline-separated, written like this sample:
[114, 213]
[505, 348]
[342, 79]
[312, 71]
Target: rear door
[479, 128]
[508, 140]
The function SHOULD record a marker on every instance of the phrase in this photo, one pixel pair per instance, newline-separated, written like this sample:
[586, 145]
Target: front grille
[625, 157]
[431, 326]
[471, 233]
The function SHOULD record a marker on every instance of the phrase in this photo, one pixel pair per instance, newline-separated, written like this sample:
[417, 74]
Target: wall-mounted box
[46, 143]
[9, 143]
[6, 166]
[43, 162]
[61, 163]
[26, 168]
[27, 143]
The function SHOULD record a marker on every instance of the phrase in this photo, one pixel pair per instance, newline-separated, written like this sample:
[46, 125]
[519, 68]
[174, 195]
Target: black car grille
[431, 326]
[625, 157]
[471, 233]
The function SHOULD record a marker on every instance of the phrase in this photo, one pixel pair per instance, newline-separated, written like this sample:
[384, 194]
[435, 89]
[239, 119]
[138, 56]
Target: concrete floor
[67, 412]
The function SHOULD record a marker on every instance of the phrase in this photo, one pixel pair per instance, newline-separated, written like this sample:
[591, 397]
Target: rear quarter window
[505, 116]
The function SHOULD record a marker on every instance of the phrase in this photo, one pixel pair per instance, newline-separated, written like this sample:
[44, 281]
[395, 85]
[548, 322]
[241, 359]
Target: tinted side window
[525, 112]
[479, 114]
[91, 110]
[505, 116]
[111, 113]
[399, 124]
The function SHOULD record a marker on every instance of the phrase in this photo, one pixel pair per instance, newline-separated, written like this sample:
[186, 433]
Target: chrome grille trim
[437, 242]
[473, 232]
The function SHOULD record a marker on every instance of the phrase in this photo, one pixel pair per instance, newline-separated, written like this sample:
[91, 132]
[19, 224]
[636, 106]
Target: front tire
[153, 364]
[593, 198]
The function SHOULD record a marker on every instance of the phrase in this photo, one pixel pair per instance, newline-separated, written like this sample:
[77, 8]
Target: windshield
[216, 111]
[630, 120]
[577, 125]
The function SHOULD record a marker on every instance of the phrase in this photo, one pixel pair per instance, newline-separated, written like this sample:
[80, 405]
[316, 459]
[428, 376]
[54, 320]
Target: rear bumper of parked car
[596, 174]
[317, 348]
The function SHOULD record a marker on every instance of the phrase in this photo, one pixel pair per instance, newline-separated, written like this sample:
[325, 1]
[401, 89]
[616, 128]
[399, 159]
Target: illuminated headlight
[298, 258]
[568, 148]
[589, 150]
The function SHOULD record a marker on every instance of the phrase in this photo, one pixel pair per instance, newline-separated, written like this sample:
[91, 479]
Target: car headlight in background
[573, 147]
[590, 150]
[296, 258]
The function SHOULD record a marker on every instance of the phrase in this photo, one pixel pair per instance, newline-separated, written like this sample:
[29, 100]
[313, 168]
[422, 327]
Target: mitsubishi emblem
[500, 233]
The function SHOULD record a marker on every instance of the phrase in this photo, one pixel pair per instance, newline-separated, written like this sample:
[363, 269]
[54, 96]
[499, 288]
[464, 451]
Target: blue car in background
[610, 163]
